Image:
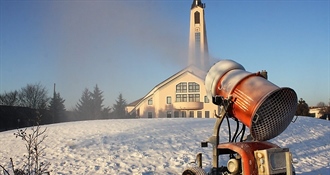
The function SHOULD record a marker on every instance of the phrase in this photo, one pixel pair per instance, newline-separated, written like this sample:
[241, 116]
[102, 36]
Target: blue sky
[128, 47]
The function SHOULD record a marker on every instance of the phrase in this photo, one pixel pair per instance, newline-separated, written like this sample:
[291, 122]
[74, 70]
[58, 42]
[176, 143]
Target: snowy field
[157, 146]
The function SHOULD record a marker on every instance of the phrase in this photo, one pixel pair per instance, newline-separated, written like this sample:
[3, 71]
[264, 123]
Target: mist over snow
[157, 146]
[110, 43]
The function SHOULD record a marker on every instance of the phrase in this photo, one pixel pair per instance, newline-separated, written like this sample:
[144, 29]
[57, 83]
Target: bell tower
[198, 49]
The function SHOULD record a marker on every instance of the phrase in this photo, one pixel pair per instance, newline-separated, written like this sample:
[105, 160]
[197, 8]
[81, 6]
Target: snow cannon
[259, 104]
[253, 102]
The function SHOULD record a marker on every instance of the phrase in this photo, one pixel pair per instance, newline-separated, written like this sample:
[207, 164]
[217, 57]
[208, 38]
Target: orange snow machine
[251, 101]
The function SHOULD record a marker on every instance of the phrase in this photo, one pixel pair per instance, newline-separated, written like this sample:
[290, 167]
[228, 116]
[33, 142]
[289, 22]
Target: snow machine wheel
[194, 171]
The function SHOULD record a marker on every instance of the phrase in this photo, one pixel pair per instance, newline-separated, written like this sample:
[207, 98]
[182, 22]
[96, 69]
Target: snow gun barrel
[259, 104]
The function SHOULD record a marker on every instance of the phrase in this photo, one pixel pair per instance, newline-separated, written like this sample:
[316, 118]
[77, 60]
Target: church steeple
[198, 49]
[197, 3]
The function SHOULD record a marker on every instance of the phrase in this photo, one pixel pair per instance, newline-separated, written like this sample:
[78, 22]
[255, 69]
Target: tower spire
[198, 49]
[197, 3]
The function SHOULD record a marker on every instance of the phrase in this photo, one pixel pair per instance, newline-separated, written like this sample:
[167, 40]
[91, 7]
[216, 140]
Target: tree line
[303, 108]
[89, 107]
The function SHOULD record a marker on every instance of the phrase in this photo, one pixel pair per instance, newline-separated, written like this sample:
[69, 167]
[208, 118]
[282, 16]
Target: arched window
[197, 17]
[193, 87]
[181, 87]
[192, 95]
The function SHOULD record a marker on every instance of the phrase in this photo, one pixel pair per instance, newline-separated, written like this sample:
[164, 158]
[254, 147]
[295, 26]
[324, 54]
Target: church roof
[190, 69]
[134, 102]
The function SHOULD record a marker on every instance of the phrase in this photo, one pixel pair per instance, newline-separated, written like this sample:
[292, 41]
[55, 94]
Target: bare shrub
[32, 164]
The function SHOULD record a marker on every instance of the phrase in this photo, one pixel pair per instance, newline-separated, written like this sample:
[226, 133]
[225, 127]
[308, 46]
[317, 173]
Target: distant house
[181, 95]
[315, 112]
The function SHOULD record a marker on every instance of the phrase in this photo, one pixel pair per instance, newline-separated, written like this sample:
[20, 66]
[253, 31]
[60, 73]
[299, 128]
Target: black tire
[194, 171]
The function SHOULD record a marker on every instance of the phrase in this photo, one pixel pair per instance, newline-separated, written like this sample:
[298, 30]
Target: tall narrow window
[176, 114]
[191, 98]
[191, 114]
[178, 97]
[169, 114]
[206, 100]
[199, 114]
[184, 97]
[197, 17]
[198, 39]
[168, 100]
[197, 44]
[183, 114]
[207, 114]
[150, 101]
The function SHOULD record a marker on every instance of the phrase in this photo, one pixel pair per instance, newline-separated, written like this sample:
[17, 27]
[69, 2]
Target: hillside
[157, 146]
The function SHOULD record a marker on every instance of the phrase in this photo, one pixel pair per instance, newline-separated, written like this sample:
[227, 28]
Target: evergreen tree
[119, 110]
[106, 113]
[302, 108]
[85, 105]
[90, 105]
[97, 100]
[57, 108]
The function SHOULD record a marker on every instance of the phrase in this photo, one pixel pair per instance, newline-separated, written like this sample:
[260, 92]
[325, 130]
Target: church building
[183, 94]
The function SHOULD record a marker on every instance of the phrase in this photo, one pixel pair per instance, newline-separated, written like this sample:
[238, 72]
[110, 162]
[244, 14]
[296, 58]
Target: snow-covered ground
[157, 146]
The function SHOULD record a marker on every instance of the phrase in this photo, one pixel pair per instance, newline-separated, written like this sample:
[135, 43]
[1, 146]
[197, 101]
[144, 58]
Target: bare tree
[9, 98]
[320, 104]
[34, 96]
[324, 108]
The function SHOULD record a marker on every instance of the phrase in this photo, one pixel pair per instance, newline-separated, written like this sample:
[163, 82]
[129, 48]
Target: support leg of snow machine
[197, 170]
[194, 171]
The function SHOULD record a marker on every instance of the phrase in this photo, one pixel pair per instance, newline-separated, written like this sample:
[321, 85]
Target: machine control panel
[273, 161]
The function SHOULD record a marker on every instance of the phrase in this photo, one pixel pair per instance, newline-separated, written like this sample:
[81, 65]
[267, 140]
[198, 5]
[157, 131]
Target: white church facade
[182, 95]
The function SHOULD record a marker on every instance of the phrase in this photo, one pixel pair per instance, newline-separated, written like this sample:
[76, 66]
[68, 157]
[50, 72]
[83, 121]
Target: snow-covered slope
[157, 146]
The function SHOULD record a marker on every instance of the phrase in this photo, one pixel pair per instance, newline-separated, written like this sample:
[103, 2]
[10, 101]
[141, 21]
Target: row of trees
[32, 96]
[90, 105]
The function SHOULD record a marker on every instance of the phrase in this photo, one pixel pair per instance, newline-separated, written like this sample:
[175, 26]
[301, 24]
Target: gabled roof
[190, 69]
[135, 102]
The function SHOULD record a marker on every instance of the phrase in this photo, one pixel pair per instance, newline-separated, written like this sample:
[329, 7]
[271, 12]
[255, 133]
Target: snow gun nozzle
[256, 102]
